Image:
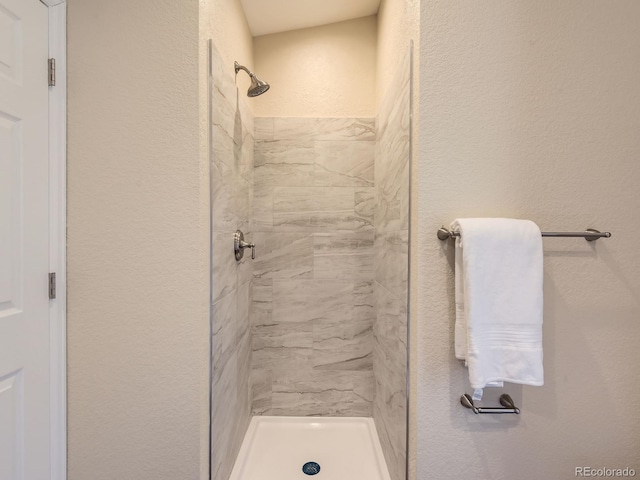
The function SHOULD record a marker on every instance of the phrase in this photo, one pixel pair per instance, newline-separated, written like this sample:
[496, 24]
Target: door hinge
[52, 72]
[52, 286]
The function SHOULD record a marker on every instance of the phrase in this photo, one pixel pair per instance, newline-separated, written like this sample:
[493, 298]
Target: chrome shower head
[258, 87]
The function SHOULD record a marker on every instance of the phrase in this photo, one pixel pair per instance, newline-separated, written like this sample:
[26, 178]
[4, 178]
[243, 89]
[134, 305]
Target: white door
[24, 242]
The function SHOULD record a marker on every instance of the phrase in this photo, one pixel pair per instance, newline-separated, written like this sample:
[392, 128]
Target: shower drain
[311, 468]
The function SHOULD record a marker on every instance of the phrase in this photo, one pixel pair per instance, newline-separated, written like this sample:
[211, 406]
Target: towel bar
[505, 400]
[590, 235]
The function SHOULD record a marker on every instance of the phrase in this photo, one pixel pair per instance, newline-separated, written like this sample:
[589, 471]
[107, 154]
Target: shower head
[258, 87]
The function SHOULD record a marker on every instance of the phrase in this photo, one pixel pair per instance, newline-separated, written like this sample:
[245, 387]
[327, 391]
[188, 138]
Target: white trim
[58, 234]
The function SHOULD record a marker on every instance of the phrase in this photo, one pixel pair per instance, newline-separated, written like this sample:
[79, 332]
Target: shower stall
[309, 338]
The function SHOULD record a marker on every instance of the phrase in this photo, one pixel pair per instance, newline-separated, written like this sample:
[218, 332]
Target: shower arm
[239, 67]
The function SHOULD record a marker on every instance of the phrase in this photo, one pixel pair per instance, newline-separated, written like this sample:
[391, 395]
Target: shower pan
[303, 447]
[309, 338]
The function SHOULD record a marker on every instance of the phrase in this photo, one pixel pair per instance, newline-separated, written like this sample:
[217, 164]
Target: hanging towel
[499, 301]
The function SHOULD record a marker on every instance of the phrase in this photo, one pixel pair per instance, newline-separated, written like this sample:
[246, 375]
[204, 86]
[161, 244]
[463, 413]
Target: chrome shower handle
[239, 245]
[244, 245]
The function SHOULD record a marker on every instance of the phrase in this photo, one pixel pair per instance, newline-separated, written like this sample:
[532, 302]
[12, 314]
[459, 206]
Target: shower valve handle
[239, 245]
[244, 245]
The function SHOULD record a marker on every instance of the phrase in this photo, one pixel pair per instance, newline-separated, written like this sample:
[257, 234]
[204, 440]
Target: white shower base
[276, 448]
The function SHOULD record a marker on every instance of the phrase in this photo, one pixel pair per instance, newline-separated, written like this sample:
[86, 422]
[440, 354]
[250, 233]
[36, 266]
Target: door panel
[10, 208]
[10, 43]
[12, 421]
[24, 242]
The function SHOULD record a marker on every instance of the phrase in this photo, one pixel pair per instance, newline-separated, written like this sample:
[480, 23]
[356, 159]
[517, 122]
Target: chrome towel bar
[590, 235]
[505, 400]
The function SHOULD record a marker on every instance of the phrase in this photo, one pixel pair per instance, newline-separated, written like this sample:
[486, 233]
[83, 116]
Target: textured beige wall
[138, 322]
[530, 109]
[224, 21]
[398, 24]
[326, 71]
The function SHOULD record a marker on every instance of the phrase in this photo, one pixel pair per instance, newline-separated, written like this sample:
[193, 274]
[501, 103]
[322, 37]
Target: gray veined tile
[313, 208]
[293, 152]
[231, 204]
[284, 174]
[263, 128]
[231, 200]
[323, 392]
[223, 418]
[224, 332]
[283, 255]
[245, 113]
[223, 111]
[343, 255]
[364, 301]
[223, 150]
[400, 115]
[247, 159]
[242, 203]
[392, 262]
[223, 194]
[224, 275]
[303, 129]
[391, 396]
[388, 214]
[312, 300]
[388, 115]
[229, 112]
[242, 320]
[262, 208]
[389, 358]
[334, 209]
[345, 163]
[261, 391]
[364, 208]
[292, 335]
[392, 156]
[262, 302]
[282, 347]
[222, 75]
[243, 393]
[343, 345]
[284, 163]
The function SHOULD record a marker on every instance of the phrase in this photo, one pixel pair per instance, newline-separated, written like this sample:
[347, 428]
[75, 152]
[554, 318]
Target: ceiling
[273, 16]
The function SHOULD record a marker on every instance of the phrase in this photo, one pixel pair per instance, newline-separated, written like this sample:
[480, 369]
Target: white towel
[499, 300]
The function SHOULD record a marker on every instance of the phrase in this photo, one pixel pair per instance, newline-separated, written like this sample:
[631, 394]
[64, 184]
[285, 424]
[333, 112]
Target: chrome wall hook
[239, 245]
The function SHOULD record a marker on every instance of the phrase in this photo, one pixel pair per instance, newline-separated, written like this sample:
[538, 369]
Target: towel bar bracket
[505, 400]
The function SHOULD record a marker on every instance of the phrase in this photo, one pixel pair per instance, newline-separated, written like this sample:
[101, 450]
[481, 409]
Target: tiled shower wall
[231, 188]
[313, 311]
[392, 159]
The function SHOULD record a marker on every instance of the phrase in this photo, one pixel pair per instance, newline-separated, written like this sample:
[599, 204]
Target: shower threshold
[303, 448]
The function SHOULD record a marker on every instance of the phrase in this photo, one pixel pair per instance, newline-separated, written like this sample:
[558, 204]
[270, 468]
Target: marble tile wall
[232, 148]
[313, 225]
[391, 220]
